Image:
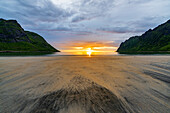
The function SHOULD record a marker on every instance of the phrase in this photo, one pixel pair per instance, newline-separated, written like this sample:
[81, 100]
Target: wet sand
[80, 84]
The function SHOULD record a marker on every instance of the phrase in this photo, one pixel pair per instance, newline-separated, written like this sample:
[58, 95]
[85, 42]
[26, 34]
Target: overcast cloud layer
[61, 21]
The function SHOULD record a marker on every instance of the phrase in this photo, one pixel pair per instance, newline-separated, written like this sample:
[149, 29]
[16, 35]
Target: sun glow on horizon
[91, 50]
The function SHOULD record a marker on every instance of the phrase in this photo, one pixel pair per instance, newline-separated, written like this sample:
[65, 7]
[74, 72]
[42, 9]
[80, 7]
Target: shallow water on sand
[81, 84]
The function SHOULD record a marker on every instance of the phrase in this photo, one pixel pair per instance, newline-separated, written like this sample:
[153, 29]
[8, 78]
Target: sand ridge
[92, 98]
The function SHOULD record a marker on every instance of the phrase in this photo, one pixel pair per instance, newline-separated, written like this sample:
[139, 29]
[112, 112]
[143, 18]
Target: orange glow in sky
[91, 50]
[88, 48]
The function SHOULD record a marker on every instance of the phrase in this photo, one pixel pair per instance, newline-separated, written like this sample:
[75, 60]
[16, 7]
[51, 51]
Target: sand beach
[82, 84]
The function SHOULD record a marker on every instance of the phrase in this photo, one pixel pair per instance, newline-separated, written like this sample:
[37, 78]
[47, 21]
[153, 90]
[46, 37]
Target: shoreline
[25, 51]
[144, 52]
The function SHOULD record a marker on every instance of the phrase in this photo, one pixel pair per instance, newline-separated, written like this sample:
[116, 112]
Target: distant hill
[156, 40]
[14, 38]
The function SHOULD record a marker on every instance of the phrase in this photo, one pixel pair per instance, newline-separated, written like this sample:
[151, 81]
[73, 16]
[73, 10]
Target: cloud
[86, 20]
[87, 44]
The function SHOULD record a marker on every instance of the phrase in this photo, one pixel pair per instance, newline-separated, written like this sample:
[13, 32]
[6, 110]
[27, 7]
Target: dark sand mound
[92, 99]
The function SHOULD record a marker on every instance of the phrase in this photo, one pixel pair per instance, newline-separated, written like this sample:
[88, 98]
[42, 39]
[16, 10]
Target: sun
[89, 51]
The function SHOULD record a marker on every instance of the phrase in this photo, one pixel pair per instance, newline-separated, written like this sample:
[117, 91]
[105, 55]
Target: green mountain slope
[156, 40]
[14, 38]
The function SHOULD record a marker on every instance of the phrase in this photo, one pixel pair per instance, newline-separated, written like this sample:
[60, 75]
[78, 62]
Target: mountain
[14, 38]
[156, 40]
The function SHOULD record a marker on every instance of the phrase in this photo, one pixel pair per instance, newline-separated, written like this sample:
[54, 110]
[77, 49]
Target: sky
[77, 23]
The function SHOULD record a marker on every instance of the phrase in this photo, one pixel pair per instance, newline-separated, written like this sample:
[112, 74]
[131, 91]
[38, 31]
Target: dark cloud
[44, 10]
[117, 30]
[35, 11]
[78, 18]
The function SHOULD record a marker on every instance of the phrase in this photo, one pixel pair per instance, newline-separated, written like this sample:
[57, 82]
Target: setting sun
[89, 51]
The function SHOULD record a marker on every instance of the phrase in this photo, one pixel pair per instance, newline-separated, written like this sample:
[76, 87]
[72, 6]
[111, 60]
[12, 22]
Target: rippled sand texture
[79, 84]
